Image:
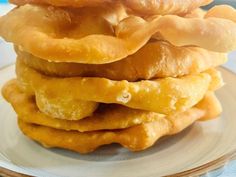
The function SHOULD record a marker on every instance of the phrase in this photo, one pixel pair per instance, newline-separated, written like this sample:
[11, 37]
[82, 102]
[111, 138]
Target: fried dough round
[35, 30]
[222, 11]
[154, 60]
[62, 3]
[135, 138]
[211, 104]
[196, 13]
[164, 96]
[64, 108]
[146, 7]
[107, 117]
[208, 33]
[163, 7]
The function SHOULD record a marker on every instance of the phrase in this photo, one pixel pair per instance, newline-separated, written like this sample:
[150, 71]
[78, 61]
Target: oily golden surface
[164, 96]
[56, 34]
[135, 138]
[71, 3]
[222, 11]
[163, 7]
[107, 117]
[211, 104]
[64, 107]
[155, 60]
[141, 7]
[208, 33]
[196, 13]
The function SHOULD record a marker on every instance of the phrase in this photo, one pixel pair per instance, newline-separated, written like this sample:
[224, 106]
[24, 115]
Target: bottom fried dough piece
[135, 138]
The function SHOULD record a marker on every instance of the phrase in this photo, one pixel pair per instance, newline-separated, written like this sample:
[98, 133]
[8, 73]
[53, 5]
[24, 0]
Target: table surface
[8, 57]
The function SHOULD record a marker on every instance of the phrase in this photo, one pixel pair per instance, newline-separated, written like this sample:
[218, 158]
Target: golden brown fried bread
[107, 117]
[59, 37]
[206, 33]
[211, 104]
[196, 13]
[163, 7]
[155, 60]
[135, 138]
[164, 96]
[222, 11]
[143, 7]
[63, 3]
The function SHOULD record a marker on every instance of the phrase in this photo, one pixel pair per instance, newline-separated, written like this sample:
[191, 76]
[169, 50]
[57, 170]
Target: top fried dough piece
[146, 7]
[96, 41]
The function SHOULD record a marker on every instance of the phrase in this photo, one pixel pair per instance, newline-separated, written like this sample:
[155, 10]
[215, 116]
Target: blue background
[1, 1]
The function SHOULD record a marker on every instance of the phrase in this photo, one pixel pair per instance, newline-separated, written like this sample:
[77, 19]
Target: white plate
[198, 145]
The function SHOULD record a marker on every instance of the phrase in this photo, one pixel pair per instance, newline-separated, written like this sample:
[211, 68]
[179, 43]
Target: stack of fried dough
[96, 72]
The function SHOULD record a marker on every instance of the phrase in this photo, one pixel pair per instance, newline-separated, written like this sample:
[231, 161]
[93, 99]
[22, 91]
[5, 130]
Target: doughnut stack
[96, 72]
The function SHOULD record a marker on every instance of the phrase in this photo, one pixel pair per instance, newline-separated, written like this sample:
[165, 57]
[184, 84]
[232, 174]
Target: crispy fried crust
[222, 11]
[164, 96]
[211, 104]
[139, 7]
[155, 60]
[163, 7]
[196, 13]
[108, 117]
[63, 3]
[135, 138]
[72, 43]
